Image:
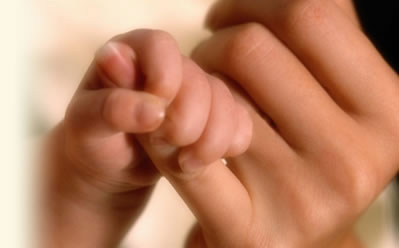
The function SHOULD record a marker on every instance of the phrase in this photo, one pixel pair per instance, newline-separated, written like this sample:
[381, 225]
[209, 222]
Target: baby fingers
[227, 131]
[105, 112]
[187, 115]
[116, 65]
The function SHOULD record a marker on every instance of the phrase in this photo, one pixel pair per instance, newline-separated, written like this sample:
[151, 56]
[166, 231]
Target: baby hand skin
[141, 109]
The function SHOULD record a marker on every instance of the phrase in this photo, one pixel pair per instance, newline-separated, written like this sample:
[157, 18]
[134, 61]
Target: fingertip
[219, 130]
[187, 115]
[243, 135]
[132, 111]
[116, 65]
[163, 77]
[150, 113]
[189, 162]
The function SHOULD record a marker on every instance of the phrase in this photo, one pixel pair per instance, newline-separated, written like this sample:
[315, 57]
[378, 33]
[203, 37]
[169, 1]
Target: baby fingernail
[116, 63]
[151, 113]
[189, 164]
[158, 140]
[108, 51]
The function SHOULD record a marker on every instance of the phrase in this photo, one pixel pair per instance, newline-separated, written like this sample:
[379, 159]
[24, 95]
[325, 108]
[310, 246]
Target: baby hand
[141, 83]
[140, 92]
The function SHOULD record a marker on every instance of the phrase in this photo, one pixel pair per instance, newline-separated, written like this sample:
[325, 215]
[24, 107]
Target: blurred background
[61, 46]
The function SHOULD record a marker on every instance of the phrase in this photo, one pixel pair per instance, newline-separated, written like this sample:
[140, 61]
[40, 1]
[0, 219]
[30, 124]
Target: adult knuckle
[393, 123]
[351, 167]
[385, 131]
[395, 134]
[256, 237]
[300, 13]
[243, 42]
[359, 184]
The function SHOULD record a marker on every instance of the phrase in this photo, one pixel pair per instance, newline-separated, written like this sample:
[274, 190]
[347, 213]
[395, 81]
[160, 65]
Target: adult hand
[326, 127]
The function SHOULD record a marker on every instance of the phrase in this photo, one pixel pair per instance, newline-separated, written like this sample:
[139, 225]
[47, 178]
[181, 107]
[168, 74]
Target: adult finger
[275, 79]
[335, 50]
[220, 14]
[213, 193]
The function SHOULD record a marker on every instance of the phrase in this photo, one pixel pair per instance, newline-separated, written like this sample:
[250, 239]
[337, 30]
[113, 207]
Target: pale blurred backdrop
[67, 35]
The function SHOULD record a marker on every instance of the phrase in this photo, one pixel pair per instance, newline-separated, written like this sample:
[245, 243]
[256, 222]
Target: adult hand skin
[326, 127]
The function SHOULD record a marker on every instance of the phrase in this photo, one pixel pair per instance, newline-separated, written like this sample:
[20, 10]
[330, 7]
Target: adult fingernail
[189, 164]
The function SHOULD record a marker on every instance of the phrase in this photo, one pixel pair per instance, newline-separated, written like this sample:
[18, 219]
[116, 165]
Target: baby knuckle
[181, 138]
[72, 114]
[212, 151]
[181, 133]
[160, 37]
[111, 109]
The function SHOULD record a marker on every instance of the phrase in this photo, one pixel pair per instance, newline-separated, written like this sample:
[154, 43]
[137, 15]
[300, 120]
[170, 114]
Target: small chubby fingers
[159, 60]
[116, 65]
[105, 112]
[219, 131]
[187, 115]
[242, 137]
